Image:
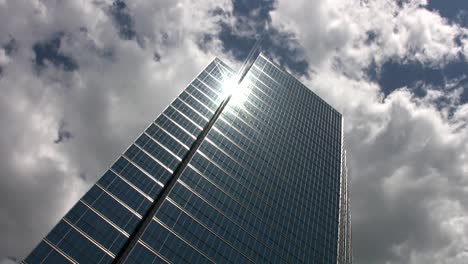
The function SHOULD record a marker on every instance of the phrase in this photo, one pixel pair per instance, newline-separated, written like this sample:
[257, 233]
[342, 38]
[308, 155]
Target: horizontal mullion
[176, 124]
[204, 225]
[148, 163]
[186, 117]
[123, 191]
[61, 252]
[220, 211]
[194, 109]
[144, 171]
[118, 228]
[89, 238]
[203, 102]
[130, 209]
[164, 147]
[171, 135]
[215, 101]
[149, 248]
[189, 113]
[204, 84]
[267, 197]
[155, 159]
[163, 225]
[133, 186]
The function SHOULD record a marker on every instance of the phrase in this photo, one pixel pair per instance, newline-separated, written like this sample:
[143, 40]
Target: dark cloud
[239, 46]
[11, 46]
[49, 52]
[63, 134]
[156, 56]
[122, 19]
[250, 21]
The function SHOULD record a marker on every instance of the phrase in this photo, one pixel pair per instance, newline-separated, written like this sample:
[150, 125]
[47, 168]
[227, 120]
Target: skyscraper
[230, 172]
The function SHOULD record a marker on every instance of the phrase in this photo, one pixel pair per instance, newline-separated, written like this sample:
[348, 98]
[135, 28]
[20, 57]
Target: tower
[229, 172]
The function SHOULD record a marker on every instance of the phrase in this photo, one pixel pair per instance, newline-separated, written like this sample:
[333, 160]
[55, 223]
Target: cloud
[94, 92]
[352, 35]
[8, 260]
[407, 154]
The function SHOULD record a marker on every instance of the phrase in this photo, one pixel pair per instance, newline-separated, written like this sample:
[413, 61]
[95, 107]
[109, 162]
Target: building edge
[344, 250]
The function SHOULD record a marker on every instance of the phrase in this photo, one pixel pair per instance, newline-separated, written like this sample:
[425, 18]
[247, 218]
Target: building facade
[231, 172]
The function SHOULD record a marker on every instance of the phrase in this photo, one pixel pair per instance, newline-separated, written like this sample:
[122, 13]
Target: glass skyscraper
[231, 172]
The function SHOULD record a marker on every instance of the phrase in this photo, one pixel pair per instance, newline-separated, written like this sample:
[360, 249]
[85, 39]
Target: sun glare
[238, 92]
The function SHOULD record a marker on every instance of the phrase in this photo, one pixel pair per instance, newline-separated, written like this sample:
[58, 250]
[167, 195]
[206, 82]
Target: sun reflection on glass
[238, 92]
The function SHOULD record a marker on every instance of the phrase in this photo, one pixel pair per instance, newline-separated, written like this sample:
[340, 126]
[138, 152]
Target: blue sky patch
[251, 20]
[254, 16]
[393, 75]
[416, 76]
[456, 11]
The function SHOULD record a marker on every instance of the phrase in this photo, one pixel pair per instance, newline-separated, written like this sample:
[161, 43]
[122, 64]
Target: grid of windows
[264, 185]
[98, 226]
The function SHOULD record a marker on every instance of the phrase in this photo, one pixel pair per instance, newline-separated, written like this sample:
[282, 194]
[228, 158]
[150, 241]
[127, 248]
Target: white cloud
[355, 34]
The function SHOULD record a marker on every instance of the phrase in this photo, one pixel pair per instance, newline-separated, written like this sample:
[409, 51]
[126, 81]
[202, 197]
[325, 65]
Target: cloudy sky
[80, 79]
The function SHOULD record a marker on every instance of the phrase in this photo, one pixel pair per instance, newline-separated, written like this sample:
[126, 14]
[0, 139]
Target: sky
[79, 80]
